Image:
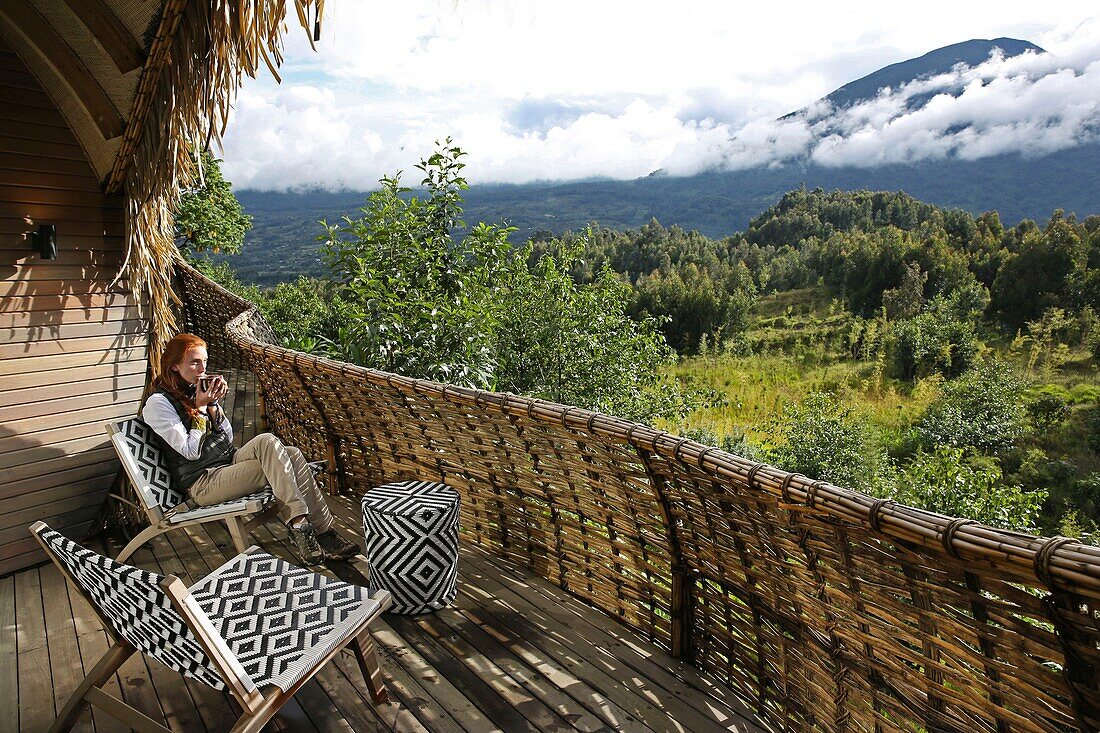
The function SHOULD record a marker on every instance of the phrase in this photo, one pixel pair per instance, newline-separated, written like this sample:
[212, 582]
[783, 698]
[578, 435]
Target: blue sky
[563, 89]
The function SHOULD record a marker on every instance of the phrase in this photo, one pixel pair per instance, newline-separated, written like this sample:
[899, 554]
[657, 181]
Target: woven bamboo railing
[827, 609]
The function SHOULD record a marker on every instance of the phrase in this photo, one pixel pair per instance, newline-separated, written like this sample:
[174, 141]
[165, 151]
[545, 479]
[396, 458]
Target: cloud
[574, 89]
[1031, 104]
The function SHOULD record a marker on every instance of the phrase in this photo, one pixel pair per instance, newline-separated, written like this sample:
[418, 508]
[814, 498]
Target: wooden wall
[72, 349]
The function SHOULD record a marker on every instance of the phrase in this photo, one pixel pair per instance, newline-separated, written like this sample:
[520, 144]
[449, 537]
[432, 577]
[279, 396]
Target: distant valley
[283, 242]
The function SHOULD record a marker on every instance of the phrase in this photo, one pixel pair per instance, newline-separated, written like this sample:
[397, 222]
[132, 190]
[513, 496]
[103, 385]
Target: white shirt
[159, 414]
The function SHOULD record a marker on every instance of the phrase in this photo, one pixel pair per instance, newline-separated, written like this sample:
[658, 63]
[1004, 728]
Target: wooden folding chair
[166, 506]
[257, 626]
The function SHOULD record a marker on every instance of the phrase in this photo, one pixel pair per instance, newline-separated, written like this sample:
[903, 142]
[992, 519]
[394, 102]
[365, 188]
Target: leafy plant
[421, 302]
[208, 217]
[982, 409]
[935, 342]
[426, 297]
[823, 439]
[1047, 410]
[951, 481]
[576, 344]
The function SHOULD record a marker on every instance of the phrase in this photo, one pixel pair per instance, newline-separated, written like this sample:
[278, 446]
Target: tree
[1046, 273]
[427, 297]
[421, 302]
[905, 300]
[576, 344]
[937, 341]
[208, 217]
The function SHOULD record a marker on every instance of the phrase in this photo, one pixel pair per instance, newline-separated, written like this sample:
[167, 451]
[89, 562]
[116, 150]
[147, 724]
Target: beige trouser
[260, 462]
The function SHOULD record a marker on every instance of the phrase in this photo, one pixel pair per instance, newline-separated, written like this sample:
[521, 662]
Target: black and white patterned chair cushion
[252, 503]
[157, 483]
[411, 531]
[279, 619]
[136, 607]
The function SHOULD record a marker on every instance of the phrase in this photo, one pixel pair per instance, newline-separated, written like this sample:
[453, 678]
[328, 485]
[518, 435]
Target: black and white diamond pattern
[411, 530]
[279, 619]
[259, 500]
[132, 601]
[149, 470]
[150, 463]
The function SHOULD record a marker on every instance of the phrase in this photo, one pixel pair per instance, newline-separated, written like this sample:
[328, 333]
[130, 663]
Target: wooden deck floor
[513, 653]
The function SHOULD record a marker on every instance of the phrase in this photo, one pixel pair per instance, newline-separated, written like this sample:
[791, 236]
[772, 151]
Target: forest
[865, 337]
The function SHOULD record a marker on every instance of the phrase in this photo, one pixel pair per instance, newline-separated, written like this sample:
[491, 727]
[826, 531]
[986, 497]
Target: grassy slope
[805, 350]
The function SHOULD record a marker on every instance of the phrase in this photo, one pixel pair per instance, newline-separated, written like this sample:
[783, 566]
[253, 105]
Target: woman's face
[193, 364]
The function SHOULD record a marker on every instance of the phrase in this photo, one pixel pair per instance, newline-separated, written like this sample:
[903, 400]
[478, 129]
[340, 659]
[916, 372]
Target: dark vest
[216, 449]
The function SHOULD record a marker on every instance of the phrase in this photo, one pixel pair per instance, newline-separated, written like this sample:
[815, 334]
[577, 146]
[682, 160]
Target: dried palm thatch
[190, 79]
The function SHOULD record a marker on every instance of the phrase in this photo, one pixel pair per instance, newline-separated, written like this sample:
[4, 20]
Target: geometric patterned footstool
[411, 531]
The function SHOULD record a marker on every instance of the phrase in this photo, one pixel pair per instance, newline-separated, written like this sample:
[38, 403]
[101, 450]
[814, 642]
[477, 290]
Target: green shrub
[426, 297]
[208, 217]
[1092, 428]
[981, 409]
[949, 481]
[933, 343]
[1047, 410]
[823, 439]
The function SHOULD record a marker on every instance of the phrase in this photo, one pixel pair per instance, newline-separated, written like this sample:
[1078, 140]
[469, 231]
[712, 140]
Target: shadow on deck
[512, 653]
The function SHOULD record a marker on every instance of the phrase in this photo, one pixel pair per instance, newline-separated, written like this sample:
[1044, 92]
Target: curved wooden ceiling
[89, 56]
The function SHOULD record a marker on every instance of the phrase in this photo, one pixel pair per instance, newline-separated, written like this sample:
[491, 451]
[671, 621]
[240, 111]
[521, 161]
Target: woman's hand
[216, 388]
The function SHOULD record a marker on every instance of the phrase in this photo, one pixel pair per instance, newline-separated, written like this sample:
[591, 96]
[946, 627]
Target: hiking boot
[336, 547]
[304, 542]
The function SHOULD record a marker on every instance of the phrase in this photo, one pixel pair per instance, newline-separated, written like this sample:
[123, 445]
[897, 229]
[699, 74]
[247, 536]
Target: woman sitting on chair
[197, 442]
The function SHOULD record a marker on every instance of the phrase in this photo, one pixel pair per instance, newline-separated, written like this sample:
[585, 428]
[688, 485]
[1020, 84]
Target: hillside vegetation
[282, 244]
[864, 337]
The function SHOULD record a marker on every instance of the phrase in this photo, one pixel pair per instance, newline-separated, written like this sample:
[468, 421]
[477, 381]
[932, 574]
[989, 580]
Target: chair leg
[367, 656]
[238, 533]
[254, 723]
[142, 537]
[104, 668]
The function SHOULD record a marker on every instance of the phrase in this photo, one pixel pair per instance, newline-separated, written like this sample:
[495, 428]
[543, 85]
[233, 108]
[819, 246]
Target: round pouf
[411, 530]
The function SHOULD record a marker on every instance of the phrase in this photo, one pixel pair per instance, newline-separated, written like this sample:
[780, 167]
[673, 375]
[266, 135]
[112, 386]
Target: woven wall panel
[827, 609]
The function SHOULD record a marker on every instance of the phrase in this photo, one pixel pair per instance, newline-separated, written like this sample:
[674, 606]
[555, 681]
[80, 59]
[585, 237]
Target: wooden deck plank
[429, 696]
[629, 646]
[9, 657]
[35, 696]
[66, 667]
[514, 600]
[465, 680]
[590, 699]
[520, 691]
[395, 715]
[93, 643]
[571, 710]
[582, 657]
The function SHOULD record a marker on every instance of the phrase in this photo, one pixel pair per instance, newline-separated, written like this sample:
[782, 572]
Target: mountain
[972, 53]
[283, 244]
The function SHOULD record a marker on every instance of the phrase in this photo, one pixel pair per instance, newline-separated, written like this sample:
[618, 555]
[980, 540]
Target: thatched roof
[139, 82]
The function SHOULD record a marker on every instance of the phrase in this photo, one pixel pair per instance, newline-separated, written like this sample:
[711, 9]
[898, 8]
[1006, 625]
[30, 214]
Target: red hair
[170, 380]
